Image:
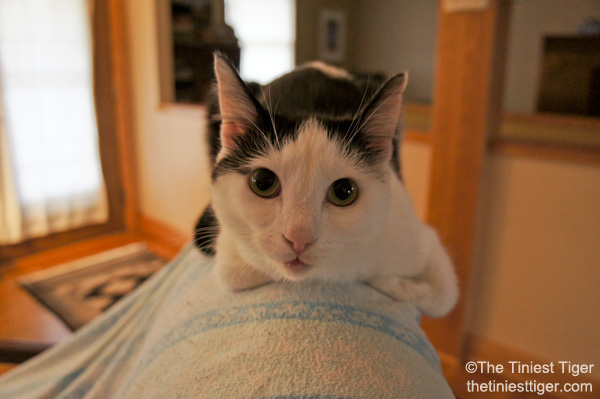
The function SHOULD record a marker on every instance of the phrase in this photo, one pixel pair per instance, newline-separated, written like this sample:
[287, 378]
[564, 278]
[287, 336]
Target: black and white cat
[306, 185]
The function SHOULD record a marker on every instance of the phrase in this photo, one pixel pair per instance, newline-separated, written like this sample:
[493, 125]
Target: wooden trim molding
[28, 247]
[114, 111]
[552, 152]
[417, 136]
[168, 241]
[551, 137]
[106, 103]
[563, 120]
[545, 151]
[123, 110]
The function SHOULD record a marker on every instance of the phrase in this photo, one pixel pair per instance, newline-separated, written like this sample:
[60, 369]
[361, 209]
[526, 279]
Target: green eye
[264, 183]
[342, 192]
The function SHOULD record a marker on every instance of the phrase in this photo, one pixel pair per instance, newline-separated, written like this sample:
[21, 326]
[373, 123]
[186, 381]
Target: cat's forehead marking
[315, 154]
[309, 163]
[312, 154]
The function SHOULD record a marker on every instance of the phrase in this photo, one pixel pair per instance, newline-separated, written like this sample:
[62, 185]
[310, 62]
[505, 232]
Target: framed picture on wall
[332, 36]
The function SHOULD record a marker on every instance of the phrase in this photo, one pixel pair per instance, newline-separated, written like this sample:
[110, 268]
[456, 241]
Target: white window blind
[266, 31]
[48, 118]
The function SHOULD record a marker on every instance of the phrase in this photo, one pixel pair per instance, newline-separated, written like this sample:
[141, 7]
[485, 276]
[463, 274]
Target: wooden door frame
[113, 111]
[466, 112]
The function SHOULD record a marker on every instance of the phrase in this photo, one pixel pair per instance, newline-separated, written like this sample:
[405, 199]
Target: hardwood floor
[4, 367]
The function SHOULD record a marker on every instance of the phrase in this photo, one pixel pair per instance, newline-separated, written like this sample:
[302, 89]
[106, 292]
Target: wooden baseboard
[481, 350]
[18, 351]
[417, 136]
[167, 241]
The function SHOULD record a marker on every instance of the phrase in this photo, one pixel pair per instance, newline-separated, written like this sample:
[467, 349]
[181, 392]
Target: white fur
[377, 239]
[329, 70]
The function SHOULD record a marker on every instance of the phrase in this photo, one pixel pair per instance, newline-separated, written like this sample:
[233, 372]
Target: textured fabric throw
[182, 336]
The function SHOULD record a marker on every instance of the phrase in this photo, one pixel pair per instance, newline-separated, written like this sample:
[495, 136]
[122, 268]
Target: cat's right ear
[237, 106]
[381, 117]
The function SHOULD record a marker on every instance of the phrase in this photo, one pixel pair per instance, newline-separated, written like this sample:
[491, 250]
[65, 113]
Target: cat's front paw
[231, 271]
[417, 292]
[402, 289]
[240, 276]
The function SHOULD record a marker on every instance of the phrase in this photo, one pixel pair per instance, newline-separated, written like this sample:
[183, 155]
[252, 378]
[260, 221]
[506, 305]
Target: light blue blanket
[181, 336]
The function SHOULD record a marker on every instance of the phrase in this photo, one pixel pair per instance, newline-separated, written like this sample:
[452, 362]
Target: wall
[535, 286]
[535, 282]
[416, 160]
[307, 26]
[393, 36]
[172, 170]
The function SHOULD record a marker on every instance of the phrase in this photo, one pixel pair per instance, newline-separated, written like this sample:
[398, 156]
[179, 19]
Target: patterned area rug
[81, 290]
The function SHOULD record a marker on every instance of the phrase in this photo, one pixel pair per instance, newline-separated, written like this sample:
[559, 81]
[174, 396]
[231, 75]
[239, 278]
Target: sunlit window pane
[48, 119]
[266, 38]
[46, 77]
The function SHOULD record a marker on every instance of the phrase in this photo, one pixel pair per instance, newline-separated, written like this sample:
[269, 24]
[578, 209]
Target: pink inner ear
[236, 107]
[229, 130]
[385, 145]
[382, 117]
[237, 114]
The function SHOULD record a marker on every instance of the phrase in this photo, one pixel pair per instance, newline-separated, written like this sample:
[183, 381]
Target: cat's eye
[264, 183]
[342, 192]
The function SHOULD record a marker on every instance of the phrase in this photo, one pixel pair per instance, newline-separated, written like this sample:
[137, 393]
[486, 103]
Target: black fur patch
[206, 231]
[256, 143]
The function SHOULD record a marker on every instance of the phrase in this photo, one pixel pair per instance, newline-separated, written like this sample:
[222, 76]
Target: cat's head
[303, 195]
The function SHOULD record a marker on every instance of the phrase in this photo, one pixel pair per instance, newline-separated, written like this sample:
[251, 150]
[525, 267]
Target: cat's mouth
[296, 266]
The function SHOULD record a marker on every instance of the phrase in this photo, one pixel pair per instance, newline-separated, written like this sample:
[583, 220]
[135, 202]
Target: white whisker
[358, 111]
[269, 111]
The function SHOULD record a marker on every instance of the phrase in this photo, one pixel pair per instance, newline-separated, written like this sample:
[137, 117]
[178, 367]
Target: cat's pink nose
[298, 242]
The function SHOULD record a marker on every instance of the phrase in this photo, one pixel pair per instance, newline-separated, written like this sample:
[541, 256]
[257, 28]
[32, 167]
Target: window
[49, 117]
[266, 33]
[98, 104]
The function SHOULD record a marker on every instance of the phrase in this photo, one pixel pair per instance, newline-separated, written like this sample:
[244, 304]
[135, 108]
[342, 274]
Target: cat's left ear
[381, 118]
